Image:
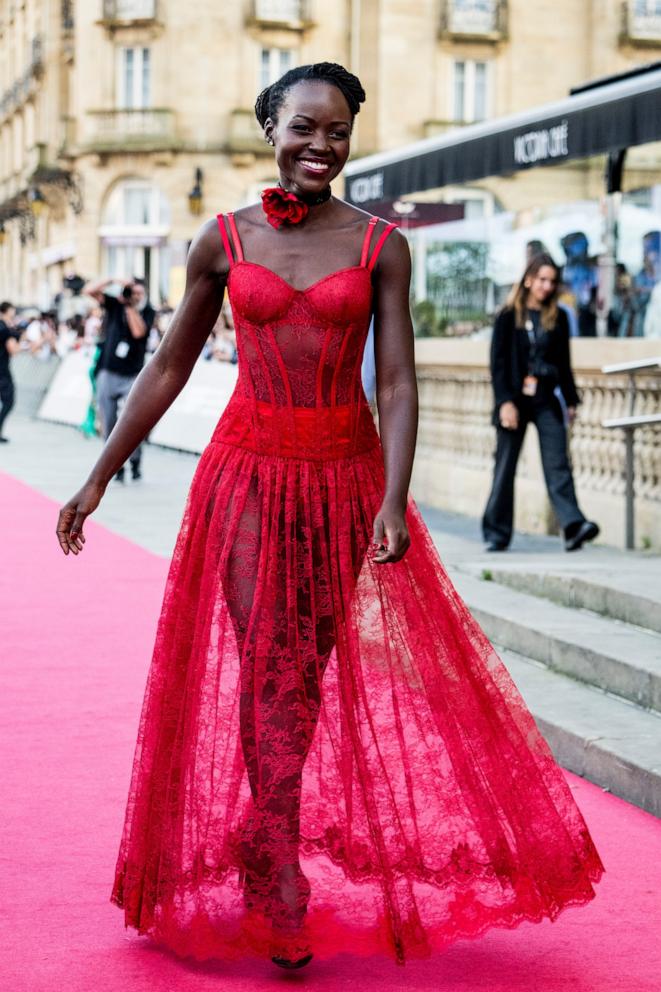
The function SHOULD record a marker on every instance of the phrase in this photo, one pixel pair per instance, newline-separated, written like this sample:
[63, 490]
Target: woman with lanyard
[532, 381]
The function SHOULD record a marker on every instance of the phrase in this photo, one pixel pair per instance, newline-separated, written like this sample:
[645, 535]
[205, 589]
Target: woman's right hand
[509, 416]
[73, 514]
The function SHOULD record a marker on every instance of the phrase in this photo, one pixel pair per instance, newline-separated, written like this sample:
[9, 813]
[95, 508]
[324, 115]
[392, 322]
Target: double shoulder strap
[234, 251]
[378, 246]
[237, 256]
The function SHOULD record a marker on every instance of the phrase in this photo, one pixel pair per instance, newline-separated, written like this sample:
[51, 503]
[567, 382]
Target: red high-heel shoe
[292, 963]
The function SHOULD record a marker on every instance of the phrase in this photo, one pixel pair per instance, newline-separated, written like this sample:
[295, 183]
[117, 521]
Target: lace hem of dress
[205, 938]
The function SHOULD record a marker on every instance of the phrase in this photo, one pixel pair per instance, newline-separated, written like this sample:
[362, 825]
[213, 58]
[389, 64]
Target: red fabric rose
[282, 207]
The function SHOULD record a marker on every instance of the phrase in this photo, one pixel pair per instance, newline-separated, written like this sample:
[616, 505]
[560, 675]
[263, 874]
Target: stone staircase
[584, 649]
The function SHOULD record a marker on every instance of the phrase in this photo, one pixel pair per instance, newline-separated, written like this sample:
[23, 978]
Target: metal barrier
[629, 425]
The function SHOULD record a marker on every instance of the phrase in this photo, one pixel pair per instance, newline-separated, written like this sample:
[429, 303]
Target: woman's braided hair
[271, 99]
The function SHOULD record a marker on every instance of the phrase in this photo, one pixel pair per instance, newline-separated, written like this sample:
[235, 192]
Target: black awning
[601, 120]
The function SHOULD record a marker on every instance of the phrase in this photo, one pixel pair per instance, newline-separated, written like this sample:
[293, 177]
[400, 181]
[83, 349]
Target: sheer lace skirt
[328, 742]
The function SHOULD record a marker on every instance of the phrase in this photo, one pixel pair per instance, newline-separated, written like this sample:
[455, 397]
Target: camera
[127, 291]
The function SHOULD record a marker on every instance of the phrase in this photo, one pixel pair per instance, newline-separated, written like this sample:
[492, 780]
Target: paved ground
[55, 460]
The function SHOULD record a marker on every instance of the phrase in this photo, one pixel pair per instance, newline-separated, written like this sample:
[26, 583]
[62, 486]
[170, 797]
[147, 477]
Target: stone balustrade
[245, 134]
[139, 128]
[456, 441]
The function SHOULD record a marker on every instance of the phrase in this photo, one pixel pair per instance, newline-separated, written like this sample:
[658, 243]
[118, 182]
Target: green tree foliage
[457, 287]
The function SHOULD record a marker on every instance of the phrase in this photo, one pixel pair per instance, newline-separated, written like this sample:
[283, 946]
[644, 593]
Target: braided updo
[271, 99]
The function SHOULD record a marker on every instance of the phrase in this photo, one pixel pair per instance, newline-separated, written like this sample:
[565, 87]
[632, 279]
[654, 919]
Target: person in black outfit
[9, 337]
[128, 320]
[533, 381]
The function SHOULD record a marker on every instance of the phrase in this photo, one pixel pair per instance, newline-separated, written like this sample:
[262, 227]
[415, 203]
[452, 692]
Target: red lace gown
[315, 725]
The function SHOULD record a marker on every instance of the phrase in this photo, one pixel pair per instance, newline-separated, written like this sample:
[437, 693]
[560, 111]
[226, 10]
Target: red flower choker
[282, 207]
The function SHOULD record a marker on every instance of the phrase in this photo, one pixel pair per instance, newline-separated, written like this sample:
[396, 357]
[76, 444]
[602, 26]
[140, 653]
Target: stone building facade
[113, 111]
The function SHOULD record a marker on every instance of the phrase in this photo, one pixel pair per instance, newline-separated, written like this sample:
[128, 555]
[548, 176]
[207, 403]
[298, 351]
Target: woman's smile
[315, 166]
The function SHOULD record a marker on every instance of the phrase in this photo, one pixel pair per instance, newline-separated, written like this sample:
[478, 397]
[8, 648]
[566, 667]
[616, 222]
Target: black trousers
[7, 394]
[499, 513]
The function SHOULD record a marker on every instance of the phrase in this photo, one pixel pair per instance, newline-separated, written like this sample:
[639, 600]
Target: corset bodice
[299, 391]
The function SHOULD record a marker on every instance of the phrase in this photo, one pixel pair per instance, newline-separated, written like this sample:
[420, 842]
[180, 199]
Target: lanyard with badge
[530, 381]
[123, 347]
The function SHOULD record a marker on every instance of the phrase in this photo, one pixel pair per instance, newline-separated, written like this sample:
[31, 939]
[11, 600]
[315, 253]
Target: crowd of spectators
[77, 320]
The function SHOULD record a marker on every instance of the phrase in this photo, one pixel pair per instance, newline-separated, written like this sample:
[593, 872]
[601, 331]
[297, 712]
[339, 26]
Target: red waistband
[297, 432]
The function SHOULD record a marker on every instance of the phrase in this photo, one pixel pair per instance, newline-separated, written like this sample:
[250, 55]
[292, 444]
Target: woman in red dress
[330, 755]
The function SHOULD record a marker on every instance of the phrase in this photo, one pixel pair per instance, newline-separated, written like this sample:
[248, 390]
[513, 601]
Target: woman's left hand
[391, 536]
[571, 413]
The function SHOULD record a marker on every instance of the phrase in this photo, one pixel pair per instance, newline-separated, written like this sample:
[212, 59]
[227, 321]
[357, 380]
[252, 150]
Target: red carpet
[76, 642]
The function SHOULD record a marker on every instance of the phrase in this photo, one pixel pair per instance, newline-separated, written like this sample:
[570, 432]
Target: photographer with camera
[128, 319]
[533, 381]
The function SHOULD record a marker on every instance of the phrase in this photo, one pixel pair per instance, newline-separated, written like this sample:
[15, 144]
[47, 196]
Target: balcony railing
[641, 22]
[67, 137]
[245, 134]
[126, 11]
[486, 19]
[25, 86]
[131, 130]
[37, 55]
[67, 15]
[292, 12]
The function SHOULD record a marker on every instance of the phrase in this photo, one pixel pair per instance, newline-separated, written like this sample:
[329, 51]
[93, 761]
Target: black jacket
[116, 329]
[510, 349]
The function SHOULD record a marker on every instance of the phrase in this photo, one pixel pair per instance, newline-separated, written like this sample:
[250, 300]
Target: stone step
[601, 737]
[629, 594]
[611, 655]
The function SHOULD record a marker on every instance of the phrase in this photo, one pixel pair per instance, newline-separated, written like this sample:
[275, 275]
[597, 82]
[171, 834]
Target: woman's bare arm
[161, 380]
[396, 392]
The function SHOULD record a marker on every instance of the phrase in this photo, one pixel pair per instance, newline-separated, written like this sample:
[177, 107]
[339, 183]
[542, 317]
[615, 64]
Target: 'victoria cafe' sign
[455, 160]
[542, 145]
